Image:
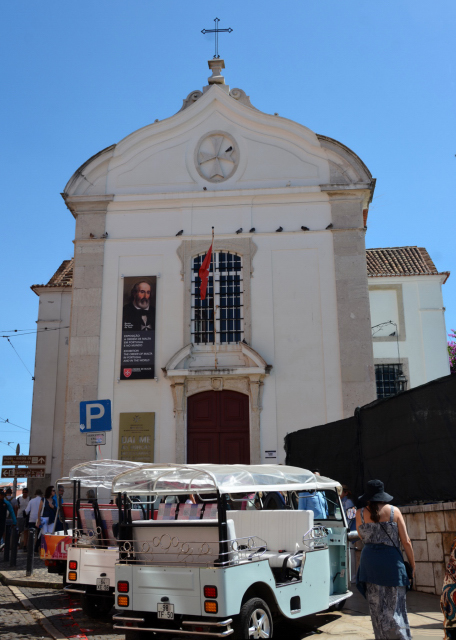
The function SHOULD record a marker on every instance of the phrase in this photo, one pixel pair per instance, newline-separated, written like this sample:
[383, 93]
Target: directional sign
[23, 473]
[95, 415]
[28, 460]
[95, 438]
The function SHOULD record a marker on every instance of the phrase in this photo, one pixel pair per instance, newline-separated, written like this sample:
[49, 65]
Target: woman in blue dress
[382, 577]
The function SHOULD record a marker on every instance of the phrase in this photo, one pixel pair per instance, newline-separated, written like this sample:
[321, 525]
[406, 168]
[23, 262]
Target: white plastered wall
[48, 412]
[294, 314]
[423, 342]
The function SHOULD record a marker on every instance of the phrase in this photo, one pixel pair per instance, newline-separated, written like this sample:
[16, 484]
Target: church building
[291, 345]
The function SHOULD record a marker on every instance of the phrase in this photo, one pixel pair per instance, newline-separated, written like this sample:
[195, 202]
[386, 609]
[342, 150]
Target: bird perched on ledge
[279, 229]
[252, 230]
[330, 225]
[179, 233]
[239, 230]
[305, 228]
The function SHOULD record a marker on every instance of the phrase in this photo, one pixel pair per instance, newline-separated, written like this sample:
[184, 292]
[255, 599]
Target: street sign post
[23, 473]
[95, 415]
[95, 438]
[27, 460]
[18, 450]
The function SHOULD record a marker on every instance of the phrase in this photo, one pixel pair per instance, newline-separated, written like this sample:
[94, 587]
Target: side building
[51, 365]
[408, 318]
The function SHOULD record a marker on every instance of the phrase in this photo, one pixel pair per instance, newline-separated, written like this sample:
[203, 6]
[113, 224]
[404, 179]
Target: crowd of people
[37, 514]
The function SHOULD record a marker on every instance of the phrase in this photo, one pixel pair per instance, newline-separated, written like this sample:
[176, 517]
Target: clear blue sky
[377, 75]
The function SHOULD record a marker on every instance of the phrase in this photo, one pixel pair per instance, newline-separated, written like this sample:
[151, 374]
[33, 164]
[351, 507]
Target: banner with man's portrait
[138, 328]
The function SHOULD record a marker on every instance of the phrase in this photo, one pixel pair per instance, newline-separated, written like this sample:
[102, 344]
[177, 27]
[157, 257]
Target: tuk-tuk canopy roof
[100, 473]
[164, 479]
[66, 482]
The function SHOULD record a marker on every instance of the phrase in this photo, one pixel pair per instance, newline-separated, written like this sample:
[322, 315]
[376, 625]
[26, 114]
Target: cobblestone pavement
[15, 622]
[64, 612]
[16, 575]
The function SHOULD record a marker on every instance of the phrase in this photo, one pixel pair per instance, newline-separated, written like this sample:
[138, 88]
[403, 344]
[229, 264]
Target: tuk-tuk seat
[282, 531]
[193, 542]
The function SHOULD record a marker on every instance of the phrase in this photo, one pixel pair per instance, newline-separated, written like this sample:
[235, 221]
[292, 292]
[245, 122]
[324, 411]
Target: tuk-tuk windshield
[160, 479]
[100, 473]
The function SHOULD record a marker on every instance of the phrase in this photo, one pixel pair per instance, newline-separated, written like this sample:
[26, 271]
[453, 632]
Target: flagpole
[213, 300]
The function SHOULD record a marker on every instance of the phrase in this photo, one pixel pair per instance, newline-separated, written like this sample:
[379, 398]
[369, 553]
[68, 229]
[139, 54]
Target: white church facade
[293, 343]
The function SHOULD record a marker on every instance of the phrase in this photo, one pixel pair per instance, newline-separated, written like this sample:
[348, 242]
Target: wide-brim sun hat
[375, 492]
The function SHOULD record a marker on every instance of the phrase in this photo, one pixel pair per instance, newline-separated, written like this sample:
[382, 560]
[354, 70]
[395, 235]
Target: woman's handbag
[407, 565]
[44, 524]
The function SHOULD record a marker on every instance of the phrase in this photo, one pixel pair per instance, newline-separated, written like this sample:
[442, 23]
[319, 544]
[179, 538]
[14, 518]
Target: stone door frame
[186, 382]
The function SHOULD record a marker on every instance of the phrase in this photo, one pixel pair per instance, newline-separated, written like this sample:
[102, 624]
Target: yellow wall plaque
[136, 437]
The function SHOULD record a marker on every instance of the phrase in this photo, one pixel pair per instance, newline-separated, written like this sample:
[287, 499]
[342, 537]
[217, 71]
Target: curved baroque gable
[218, 141]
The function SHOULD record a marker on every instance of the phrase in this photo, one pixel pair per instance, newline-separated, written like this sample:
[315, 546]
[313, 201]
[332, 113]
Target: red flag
[204, 273]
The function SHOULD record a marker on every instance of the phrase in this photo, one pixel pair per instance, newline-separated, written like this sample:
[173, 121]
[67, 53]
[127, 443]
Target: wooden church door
[218, 428]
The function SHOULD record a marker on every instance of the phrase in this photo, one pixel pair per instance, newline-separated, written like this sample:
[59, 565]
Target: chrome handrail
[161, 547]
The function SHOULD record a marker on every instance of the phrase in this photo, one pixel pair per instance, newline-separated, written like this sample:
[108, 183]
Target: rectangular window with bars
[389, 379]
[229, 321]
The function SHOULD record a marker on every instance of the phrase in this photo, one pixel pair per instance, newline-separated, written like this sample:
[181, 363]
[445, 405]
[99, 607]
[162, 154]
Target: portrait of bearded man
[138, 315]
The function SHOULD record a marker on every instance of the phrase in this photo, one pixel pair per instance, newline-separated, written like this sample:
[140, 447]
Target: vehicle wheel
[95, 607]
[254, 620]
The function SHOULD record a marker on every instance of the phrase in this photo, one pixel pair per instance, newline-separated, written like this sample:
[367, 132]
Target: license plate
[103, 584]
[165, 610]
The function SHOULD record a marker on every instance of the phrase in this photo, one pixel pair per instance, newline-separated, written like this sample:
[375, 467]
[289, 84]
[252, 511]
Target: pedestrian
[11, 500]
[382, 574]
[13, 503]
[48, 511]
[22, 517]
[33, 511]
[448, 597]
[314, 501]
[58, 501]
[350, 514]
[6, 512]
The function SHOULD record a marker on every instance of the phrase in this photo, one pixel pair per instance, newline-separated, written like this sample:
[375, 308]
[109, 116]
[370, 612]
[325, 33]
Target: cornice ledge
[87, 204]
[358, 186]
[46, 288]
[235, 372]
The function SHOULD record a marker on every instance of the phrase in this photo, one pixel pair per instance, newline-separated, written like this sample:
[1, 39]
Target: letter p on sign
[95, 415]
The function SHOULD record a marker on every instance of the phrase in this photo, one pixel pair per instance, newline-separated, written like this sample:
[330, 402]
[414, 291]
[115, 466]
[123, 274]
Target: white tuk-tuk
[93, 551]
[232, 553]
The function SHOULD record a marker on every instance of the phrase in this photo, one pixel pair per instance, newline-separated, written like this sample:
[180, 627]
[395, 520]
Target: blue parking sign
[95, 415]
